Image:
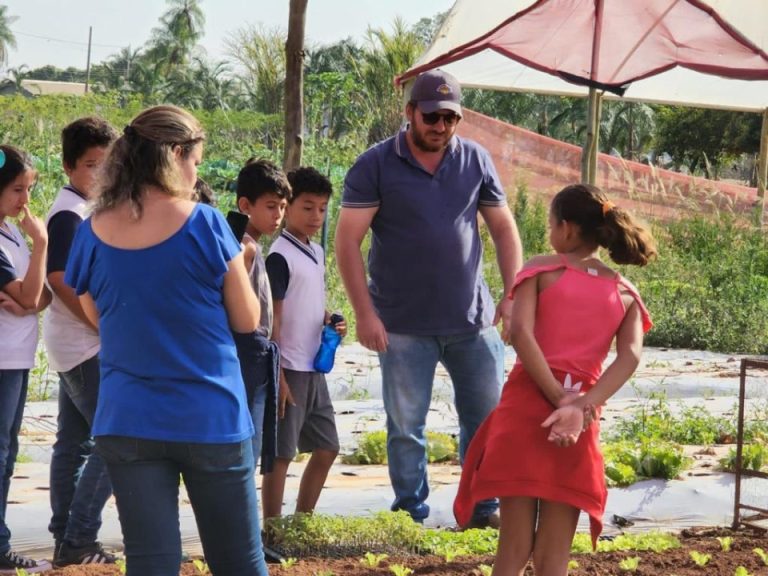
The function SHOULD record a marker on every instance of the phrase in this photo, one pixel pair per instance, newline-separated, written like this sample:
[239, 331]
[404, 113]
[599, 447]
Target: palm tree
[117, 71]
[7, 39]
[181, 27]
[385, 56]
[147, 78]
[202, 85]
[335, 57]
[18, 75]
[261, 54]
[569, 122]
[627, 127]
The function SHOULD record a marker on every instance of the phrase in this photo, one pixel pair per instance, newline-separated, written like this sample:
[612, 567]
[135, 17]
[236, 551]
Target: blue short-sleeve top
[169, 369]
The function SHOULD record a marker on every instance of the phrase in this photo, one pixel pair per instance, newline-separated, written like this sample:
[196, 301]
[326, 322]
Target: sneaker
[13, 563]
[68, 555]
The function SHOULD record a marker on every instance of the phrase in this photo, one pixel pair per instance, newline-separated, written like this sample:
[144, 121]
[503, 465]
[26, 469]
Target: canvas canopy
[685, 52]
[465, 47]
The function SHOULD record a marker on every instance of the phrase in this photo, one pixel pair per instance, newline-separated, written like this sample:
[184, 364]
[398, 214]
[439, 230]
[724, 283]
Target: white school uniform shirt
[68, 340]
[18, 334]
[303, 301]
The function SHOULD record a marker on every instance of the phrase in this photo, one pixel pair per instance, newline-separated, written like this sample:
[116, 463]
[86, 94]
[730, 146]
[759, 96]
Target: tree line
[349, 91]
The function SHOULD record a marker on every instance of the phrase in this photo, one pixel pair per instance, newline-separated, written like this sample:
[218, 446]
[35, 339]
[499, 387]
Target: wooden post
[762, 167]
[294, 85]
[589, 151]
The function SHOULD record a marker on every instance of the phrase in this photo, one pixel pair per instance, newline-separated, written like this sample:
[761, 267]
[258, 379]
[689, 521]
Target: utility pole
[88, 64]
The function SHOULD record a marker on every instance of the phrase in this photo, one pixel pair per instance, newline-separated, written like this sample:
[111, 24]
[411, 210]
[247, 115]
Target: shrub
[626, 462]
[752, 458]
[704, 297]
[372, 448]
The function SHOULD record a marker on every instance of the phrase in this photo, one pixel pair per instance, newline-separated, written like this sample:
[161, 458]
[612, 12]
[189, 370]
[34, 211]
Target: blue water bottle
[329, 341]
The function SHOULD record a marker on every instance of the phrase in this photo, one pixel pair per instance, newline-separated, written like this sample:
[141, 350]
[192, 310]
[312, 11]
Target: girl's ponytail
[604, 223]
[627, 241]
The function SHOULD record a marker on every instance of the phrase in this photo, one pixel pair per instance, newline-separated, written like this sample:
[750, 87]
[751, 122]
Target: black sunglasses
[433, 118]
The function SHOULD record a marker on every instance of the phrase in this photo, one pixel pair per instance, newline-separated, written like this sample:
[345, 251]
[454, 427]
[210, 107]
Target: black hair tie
[129, 131]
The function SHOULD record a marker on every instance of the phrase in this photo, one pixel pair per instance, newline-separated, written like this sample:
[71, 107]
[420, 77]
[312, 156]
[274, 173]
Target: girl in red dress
[538, 450]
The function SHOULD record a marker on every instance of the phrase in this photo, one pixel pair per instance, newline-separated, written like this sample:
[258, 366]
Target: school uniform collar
[75, 191]
[306, 249]
[8, 234]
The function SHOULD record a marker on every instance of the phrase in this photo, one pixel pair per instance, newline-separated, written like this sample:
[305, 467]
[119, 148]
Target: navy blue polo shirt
[425, 261]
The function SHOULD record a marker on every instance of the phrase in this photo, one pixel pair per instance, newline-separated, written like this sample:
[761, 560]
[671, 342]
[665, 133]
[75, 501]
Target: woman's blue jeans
[13, 395]
[219, 479]
[475, 363]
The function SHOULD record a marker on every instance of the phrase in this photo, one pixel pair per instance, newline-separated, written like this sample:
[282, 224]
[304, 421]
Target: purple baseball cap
[436, 90]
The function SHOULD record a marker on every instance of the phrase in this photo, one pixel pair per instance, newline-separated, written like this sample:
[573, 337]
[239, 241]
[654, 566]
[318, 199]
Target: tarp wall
[546, 165]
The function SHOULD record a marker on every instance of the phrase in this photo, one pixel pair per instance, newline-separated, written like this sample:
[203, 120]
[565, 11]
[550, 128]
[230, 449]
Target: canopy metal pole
[589, 152]
[762, 166]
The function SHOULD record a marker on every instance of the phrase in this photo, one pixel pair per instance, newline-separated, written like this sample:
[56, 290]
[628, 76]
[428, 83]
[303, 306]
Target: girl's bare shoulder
[542, 260]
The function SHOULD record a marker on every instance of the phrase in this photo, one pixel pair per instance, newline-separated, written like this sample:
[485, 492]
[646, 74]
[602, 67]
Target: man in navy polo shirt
[419, 193]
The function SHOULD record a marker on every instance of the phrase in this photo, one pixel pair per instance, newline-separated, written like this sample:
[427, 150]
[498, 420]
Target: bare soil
[675, 562]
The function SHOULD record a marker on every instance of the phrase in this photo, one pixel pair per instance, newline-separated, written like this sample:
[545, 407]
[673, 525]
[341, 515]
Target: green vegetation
[486, 570]
[704, 297]
[372, 448]
[655, 419]
[394, 533]
[629, 564]
[372, 560]
[23, 458]
[654, 541]
[469, 542]
[752, 458]
[324, 535]
[700, 559]
[762, 554]
[725, 543]
[647, 442]
[627, 462]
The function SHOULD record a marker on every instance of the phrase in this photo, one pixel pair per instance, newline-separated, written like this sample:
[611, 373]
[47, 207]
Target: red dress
[577, 318]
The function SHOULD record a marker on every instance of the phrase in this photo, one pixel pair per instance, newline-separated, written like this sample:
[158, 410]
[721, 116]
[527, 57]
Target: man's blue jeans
[13, 395]
[80, 484]
[220, 485]
[475, 363]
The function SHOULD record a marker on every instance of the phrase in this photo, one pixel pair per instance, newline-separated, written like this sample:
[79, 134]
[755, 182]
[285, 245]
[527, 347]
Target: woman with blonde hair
[164, 279]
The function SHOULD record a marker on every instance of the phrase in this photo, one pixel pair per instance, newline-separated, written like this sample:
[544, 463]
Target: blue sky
[56, 31]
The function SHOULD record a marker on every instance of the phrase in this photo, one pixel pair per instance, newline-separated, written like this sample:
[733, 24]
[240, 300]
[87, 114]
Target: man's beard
[425, 146]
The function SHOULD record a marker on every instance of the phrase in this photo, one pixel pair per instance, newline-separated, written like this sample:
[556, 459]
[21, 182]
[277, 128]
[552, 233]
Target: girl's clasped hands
[569, 420]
